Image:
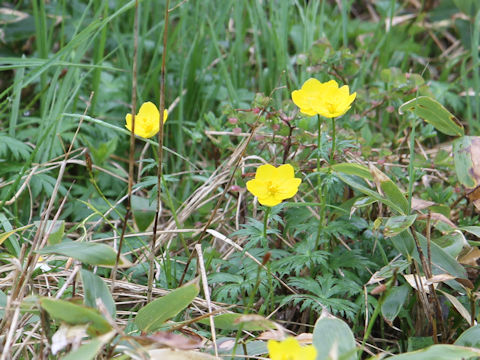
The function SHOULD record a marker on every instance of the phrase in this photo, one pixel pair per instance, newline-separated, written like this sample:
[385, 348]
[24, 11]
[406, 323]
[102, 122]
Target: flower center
[272, 188]
[332, 108]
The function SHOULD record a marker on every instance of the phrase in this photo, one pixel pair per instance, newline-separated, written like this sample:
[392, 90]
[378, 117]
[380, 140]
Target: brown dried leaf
[168, 339]
[471, 258]
[420, 204]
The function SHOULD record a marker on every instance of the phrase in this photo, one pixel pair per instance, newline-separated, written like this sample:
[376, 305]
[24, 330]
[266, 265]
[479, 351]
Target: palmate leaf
[18, 149]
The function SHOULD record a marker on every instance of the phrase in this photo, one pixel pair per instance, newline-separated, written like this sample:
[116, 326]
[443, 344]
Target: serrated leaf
[75, 314]
[152, 316]
[434, 113]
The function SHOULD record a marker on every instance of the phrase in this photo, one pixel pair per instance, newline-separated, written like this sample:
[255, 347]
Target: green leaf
[396, 224]
[95, 288]
[6, 235]
[143, 212]
[354, 183]
[390, 189]
[57, 230]
[74, 314]
[394, 301]
[470, 337]
[3, 303]
[353, 169]
[466, 151]
[434, 113]
[333, 332]
[439, 352]
[232, 321]
[152, 316]
[86, 252]
[451, 243]
[90, 349]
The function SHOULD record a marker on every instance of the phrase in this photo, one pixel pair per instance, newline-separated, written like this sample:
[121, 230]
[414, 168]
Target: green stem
[332, 153]
[265, 223]
[319, 185]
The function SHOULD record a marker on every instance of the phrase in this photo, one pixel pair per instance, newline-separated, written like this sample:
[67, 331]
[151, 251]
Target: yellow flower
[290, 349]
[272, 185]
[325, 99]
[146, 121]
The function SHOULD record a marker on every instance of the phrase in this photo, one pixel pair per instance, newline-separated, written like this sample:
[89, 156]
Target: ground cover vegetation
[239, 178]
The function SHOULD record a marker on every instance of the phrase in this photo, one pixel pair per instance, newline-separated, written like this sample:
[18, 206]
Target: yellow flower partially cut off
[273, 184]
[325, 99]
[290, 349]
[146, 121]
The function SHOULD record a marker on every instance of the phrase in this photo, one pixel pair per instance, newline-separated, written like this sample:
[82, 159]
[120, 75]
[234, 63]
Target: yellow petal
[289, 188]
[165, 115]
[311, 85]
[269, 201]
[285, 171]
[266, 172]
[149, 110]
[128, 119]
[258, 188]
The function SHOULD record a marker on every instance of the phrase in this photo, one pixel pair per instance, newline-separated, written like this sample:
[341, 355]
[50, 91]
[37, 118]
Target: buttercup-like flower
[290, 349]
[146, 121]
[325, 99]
[272, 185]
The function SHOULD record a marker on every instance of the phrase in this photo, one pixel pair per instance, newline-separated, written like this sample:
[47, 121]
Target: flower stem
[319, 185]
[332, 153]
[265, 222]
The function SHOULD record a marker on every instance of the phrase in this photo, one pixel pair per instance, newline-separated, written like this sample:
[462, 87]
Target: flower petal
[269, 201]
[257, 187]
[289, 188]
[266, 172]
[285, 171]
[312, 85]
[128, 119]
[149, 110]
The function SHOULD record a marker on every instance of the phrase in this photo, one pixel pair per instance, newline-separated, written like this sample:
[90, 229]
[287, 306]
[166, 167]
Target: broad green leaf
[442, 262]
[439, 352]
[394, 301]
[75, 314]
[470, 337]
[396, 224]
[152, 316]
[332, 332]
[434, 113]
[475, 230]
[466, 157]
[94, 289]
[90, 349]
[86, 252]
[451, 243]
[468, 7]
[232, 321]
[353, 169]
[143, 212]
[57, 230]
[391, 191]
[3, 303]
[6, 235]
[351, 181]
